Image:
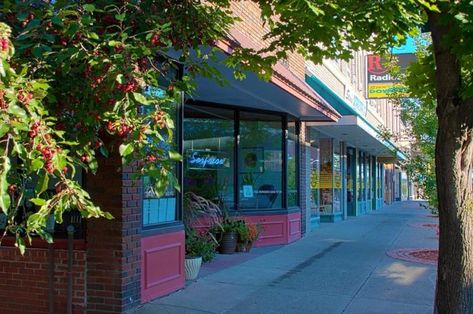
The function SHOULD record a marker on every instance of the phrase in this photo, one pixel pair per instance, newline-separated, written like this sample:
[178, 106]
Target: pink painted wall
[276, 229]
[162, 264]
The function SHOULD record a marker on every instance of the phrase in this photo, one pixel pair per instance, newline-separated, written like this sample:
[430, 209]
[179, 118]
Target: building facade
[288, 154]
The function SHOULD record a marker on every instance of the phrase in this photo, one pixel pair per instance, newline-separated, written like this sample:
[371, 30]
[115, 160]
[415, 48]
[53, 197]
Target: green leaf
[20, 244]
[37, 164]
[120, 79]
[120, 17]
[104, 151]
[4, 128]
[126, 149]
[140, 98]
[175, 156]
[17, 111]
[89, 7]
[38, 201]
[42, 184]
[5, 197]
[57, 21]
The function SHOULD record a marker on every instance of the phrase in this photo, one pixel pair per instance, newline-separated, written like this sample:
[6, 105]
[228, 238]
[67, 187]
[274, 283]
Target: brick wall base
[24, 281]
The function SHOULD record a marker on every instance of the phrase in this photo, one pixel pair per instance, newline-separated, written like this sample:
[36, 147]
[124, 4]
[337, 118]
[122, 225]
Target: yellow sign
[386, 90]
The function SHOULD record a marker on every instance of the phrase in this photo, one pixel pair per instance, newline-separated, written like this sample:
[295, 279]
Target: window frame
[236, 167]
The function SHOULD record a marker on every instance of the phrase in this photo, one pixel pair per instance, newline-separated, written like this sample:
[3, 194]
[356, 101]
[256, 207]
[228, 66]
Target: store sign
[380, 83]
[207, 160]
[359, 105]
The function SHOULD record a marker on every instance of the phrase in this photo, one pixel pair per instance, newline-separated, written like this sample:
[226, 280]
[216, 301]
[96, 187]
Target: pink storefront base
[162, 265]
[275, 229]
[162, 255]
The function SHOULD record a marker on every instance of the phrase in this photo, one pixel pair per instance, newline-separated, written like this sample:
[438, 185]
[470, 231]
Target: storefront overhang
[353, 127]
[357, 133]
[282, 94]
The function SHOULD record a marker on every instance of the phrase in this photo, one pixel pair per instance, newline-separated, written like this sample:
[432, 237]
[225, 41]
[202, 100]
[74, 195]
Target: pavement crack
[300, 267]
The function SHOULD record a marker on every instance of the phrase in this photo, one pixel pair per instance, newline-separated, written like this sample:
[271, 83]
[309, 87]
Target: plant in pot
[199, 248]
[248, 233]
[226, 231]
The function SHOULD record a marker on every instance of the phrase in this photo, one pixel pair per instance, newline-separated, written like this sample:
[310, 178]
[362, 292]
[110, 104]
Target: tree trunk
[454, 152]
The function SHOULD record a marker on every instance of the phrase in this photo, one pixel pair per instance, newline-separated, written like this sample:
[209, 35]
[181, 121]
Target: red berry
[151, 158]
[85, 158]
[12, 188]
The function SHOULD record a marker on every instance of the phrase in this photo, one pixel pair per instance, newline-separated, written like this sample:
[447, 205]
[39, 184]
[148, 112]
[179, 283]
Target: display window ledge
[332, 217]
[162, 228]
[264, 212]
[38, 243]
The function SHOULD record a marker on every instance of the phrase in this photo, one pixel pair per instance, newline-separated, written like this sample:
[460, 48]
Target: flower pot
[192, 267]
[228, 243]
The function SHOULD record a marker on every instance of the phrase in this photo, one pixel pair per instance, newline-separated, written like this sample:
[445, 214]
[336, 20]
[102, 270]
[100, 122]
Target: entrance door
[350, 188]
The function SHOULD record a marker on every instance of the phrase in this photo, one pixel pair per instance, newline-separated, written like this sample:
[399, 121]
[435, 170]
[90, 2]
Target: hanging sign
[207, 160]
[380, 83]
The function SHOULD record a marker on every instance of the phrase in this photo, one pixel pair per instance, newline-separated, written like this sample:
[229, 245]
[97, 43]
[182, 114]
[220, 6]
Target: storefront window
[314, 150]
[368, 178]
[361, 177]
[209, 154]
[158, 210]
[260, 161]
[326, 176]
[292, 179]
[337, 177]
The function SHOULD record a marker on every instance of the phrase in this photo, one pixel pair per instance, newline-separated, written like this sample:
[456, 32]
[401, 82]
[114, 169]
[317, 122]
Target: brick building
[271, 138]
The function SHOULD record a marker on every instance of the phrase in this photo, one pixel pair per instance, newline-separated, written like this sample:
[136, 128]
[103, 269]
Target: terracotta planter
[192, 267]
[228, 243]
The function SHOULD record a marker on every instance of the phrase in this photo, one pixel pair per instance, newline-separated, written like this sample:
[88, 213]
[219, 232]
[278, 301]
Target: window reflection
[209, 154]
[260, 161]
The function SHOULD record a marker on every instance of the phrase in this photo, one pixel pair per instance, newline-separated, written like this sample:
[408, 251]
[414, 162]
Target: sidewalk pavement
[337, 268]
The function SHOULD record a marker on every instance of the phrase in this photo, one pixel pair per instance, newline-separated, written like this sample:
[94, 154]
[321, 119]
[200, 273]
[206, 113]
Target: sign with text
[207, 160]
[380, 83]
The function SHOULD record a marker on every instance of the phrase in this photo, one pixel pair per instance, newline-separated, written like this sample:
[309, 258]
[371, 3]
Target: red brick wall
[113, 246]
[252, 27]
[24, 281]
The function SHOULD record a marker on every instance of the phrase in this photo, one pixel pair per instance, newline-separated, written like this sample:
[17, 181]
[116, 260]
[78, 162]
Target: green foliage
[419, 112]
[88, 80]
[200, 245]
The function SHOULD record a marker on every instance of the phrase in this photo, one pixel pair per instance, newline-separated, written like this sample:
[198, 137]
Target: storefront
[247, 163]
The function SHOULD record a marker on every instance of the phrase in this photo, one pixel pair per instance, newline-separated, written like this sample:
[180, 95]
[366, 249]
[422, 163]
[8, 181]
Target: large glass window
[326, 175]
[209, 154]
[314, 151]
[368, 178]
[260, 161]
[157, 210]
[337, 177]
[292, 178]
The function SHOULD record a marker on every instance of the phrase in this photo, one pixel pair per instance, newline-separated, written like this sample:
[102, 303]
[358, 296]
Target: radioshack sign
[380, 82]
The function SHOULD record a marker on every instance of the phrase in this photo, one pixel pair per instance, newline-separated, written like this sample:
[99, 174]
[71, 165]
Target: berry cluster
[24, 97]
[3, 44]
[3, 103]
[160, 118]
[27, 20]
[130, 86]
[34, 130]
[151, 158]
[48, 154]
[121, 128]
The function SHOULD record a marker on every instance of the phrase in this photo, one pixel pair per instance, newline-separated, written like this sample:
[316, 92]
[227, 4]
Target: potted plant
[248, 233]
[226, 231]
[199, 248]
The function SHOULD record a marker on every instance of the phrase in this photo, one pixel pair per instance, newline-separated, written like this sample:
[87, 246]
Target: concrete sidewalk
[338, 268]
